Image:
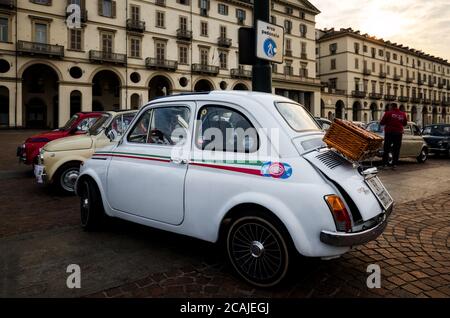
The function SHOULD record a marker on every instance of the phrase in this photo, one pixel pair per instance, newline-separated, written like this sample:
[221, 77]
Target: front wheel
[258, 251]
[66, 177]
[91, 206]
[423, 156]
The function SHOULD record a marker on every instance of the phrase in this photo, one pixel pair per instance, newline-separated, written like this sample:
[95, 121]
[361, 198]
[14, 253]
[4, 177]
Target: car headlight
[41, 155]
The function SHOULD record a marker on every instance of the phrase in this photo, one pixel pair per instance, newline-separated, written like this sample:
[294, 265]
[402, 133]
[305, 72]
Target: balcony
[431, 84]
[161, 64]
[375, 96]
[107, 57]
[426, 101]
[184, 35]
[224, 42]
[34, 48]
[366, 71]
[382, 75]
[290, 78]
[409, 80]
[416, 100]
[205, 69]
[241, 73]
[403, 99]
[135, 25]
[288, 53]
[397, 77]
[359, 94]
[8, 4]
[390, 98]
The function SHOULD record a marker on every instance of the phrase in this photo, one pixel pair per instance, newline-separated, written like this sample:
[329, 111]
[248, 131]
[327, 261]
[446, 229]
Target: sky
[420, 24]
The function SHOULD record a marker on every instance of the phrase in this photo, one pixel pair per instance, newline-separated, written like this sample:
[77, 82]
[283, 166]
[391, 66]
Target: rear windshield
[297, 117]
[99, 125]
[437, 130]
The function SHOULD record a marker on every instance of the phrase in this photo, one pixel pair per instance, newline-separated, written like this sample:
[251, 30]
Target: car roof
[123, 111]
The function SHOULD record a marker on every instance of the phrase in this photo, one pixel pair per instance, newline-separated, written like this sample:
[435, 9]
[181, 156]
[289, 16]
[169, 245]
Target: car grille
[331, 159]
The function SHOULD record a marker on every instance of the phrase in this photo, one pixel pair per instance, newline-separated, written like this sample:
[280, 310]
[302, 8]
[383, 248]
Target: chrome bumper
[351, 239]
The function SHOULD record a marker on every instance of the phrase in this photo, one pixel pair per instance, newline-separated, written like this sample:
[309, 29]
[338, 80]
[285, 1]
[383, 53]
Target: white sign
[269, 42]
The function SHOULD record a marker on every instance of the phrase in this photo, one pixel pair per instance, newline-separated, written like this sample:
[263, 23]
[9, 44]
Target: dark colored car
[80, 123]
[437, 138]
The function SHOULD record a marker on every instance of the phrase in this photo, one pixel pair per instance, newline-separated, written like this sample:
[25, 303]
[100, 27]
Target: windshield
[70, 123]
[297, 117]
[437, 130]
[99, 125]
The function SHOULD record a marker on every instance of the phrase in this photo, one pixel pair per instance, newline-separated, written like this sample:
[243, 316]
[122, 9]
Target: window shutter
[114, 9]
[100, 7]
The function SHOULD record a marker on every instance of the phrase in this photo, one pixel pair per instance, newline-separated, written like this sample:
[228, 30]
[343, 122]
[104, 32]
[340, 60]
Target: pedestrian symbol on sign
[270, 47]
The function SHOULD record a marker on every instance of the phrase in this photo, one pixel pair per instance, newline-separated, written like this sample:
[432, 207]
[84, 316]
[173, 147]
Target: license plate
[380, 192]
[38, 172]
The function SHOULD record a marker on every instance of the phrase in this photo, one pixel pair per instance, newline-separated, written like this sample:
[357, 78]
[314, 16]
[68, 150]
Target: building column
[18, 122]
[12, 105]
[315, 103]
[123, 98]
[63, 104]
[86, 98]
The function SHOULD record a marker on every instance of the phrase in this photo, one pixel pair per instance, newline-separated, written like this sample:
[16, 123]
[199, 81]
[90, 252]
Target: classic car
[59, 161]
[79, 123]
[437, 138]
[413, 144]
[243, 168]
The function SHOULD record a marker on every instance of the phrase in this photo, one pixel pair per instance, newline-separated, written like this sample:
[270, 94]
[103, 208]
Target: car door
[407, 147]
[417, 140]
[146, 174]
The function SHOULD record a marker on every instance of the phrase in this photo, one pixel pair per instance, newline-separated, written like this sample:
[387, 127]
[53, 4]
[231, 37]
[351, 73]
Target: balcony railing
[205, 69]
[241, 73]
[403, 99]
[295, 78]
[426, 101]
[135, 25]
[397, 77]
[409, 80]
[288, 53]
[34, 48]
[416, 100]
[224, 42]
[183, 34]
[107, 57]
[161, 64]
[382, 75]
[375, 96]
[390, 98]
[359, 94]
[8, 4]
[366, 71]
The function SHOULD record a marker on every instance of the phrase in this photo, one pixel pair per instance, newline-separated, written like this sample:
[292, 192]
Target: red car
[78, 124]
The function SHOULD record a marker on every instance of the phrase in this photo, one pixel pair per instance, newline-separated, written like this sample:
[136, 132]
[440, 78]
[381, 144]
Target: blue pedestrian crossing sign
[269, 42]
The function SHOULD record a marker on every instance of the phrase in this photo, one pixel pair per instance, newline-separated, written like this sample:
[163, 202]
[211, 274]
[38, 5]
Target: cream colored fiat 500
[248, 169]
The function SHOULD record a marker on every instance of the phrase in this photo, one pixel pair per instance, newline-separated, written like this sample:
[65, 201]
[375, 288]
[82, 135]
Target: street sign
[269, 42]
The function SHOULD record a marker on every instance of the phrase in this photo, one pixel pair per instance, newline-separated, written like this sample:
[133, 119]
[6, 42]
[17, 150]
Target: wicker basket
[352, 141]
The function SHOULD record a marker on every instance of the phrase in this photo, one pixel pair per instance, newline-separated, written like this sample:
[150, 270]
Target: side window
[169, 126]
[225, 129]
[121, 123]
[86, 123]
[139, 133]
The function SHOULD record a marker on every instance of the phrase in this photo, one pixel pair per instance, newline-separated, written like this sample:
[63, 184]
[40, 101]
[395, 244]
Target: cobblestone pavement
[40, 237]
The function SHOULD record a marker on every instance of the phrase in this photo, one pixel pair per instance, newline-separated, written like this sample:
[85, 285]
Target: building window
[365, 48]
[204, 53]
[304, 69]
[333, 48]
[303, 30]
[107, 8]
[4, 29]
[223, 58]
[223, 32]
[135, 13]
[75, 42]
[160, 48]
[303, 50]
[160, 19]
[302, 15]
[135, 47]
[273, 19]
[183, 23]
[222, 9]
[107, 42]
[357, 48]
[356, 64]
[241, 16]
[373, 51]
[204, 7]
[380, 52]
[40, 33]
[183, 54]
[288, 26]
[333, 64]
[394, 56]
[204, 28]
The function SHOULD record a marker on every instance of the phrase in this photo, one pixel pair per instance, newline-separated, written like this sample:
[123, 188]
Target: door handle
[179, 161]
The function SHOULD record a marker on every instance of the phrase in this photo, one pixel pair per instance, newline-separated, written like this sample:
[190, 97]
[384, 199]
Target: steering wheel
[159, 137]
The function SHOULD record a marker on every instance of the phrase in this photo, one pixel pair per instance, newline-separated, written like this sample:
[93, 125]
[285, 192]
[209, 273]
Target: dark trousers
[392, 144]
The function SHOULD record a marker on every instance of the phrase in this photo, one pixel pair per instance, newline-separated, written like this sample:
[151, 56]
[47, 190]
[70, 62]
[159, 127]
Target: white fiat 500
[249, 169]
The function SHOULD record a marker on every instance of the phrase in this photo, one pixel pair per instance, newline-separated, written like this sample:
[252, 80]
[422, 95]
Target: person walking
[393, 121]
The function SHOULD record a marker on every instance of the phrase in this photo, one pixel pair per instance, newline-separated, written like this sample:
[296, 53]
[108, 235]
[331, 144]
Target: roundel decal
[276, 170]
[270, 47]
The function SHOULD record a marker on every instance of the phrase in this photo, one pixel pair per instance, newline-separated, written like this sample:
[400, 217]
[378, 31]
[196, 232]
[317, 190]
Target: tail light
[340, 214]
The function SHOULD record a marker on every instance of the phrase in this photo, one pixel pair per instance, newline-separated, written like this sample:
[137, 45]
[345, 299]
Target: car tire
[423, 156]
[92, 212]
[66, 177]
[249, 253]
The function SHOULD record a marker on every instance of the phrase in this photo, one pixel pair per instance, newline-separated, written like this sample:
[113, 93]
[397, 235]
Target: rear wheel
[66, 176]
[91, 207]
[423, 156]
[258, 251]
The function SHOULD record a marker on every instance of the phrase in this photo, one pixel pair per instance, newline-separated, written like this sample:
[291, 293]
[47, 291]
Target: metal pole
[262, 70]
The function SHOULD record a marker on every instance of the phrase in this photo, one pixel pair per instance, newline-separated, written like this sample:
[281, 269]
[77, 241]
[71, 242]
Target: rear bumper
[351, 239]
